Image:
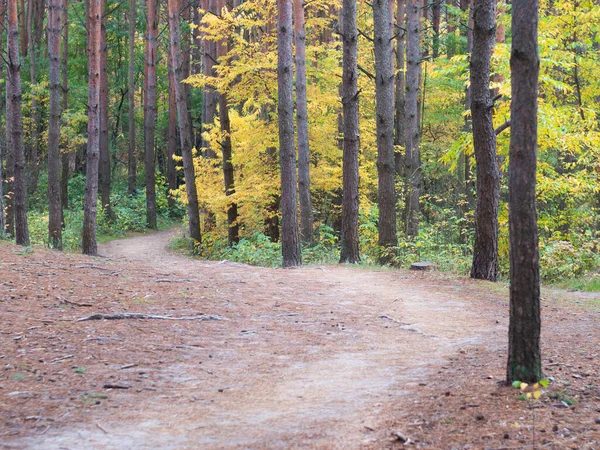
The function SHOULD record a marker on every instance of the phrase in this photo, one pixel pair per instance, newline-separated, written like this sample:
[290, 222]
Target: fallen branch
[62, 359]
[91, 267]
[147, 316]
[68, 302]
[385, 316]
[176, 280]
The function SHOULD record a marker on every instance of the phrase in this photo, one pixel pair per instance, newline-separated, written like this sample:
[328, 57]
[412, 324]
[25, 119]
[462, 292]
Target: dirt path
[318, 357]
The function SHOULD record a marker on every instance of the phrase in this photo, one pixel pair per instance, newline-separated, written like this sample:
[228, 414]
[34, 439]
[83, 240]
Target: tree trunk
[94, 31]
[23, 26]
[485, 251]
[131, 156]
[2, 147]
[349, 238]
[290, 244]
[55, 15]
[524, 356]
[436, 15]
[150, 111]
[185, 134]
[400, 100]
[171, 141]
[104, 165]
[384, 100]
[9, 170]
[413, 157]
[14, 127]
[228, 178]
[209, 107]
[34, 163]
[306, 213]
[64, 186]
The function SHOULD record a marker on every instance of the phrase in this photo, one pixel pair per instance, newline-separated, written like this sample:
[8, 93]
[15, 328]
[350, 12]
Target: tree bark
[413, 157]
[55, 15]
[400, 100]
[485, 250]
[185, 134]
[171, 141]
[9, 197]
[64, 181]
[290, 243]
[306, 213]
[150, 111]
[34, 163]
[228, 174]
[2, 146]
[349, 238]
[94, 30]
[384, 104]
[104, 165]
[14, 126]
[436, 15]
[524, 356]
[131, 156]
[209, 107]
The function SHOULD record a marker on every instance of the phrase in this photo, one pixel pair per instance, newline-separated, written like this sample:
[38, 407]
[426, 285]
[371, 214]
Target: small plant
[79, 370]
[534, 391]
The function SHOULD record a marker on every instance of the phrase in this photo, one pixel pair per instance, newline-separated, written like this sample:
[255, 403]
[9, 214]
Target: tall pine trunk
[209, 106]
[150, 111]
[228, 174]
[384, 101]
[14, 127]
[524, 356]
[171, 141]
[485, 251]
[290, 243]
[2, 147]
[412, 161]
[55, 15]
[131, 156]
[349, 238]
[104, 165]
[306, 213]
[34, 163]
[185, 134]
[400, 99]
[64, 181]
[94, 31]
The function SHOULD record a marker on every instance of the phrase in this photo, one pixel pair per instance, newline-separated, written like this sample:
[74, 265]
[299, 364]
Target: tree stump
[423, 265]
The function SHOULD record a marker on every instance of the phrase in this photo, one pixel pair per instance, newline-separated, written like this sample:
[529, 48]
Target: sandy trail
[316, 357]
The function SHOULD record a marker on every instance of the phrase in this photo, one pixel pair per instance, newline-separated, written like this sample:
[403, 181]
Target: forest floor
[316, 357]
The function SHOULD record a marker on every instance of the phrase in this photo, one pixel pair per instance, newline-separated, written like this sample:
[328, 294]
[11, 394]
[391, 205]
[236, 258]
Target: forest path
[318, 357]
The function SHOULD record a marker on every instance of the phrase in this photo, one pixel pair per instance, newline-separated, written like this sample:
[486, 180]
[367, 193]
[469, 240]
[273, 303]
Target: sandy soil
[316, 357]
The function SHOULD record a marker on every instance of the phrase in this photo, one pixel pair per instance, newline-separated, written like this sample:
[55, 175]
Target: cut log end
[423, 265]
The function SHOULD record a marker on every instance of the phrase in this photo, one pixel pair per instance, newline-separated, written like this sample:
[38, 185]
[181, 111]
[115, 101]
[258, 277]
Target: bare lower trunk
[384, 99]
[290, 243]
[485, 251]
[94, 30]
[14, 127]
[412, 162]
[104, 165]
[349, 238]
[55, 15]
[184, 123]
[306, 213]
[436, 16]
[34, 163]
[228, 175]
[400, 100]
[2, 148]
[150, 111]
[524, 356]
[171, 141]
[131, 156]
[209, 107]
[64, 181]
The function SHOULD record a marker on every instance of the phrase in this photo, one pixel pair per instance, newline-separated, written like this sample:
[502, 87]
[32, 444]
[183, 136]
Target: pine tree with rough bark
[524, 355]
[55, 15]
[350, 203]
[400, 94]
[94, 9]
[306, 208]
[384, 111]
[14, 126]
[104, 163]
[412, 160]
[485, 251]
[290, 242]
[2, 147]
[150, 110]
[131, 156]
[185, 133]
